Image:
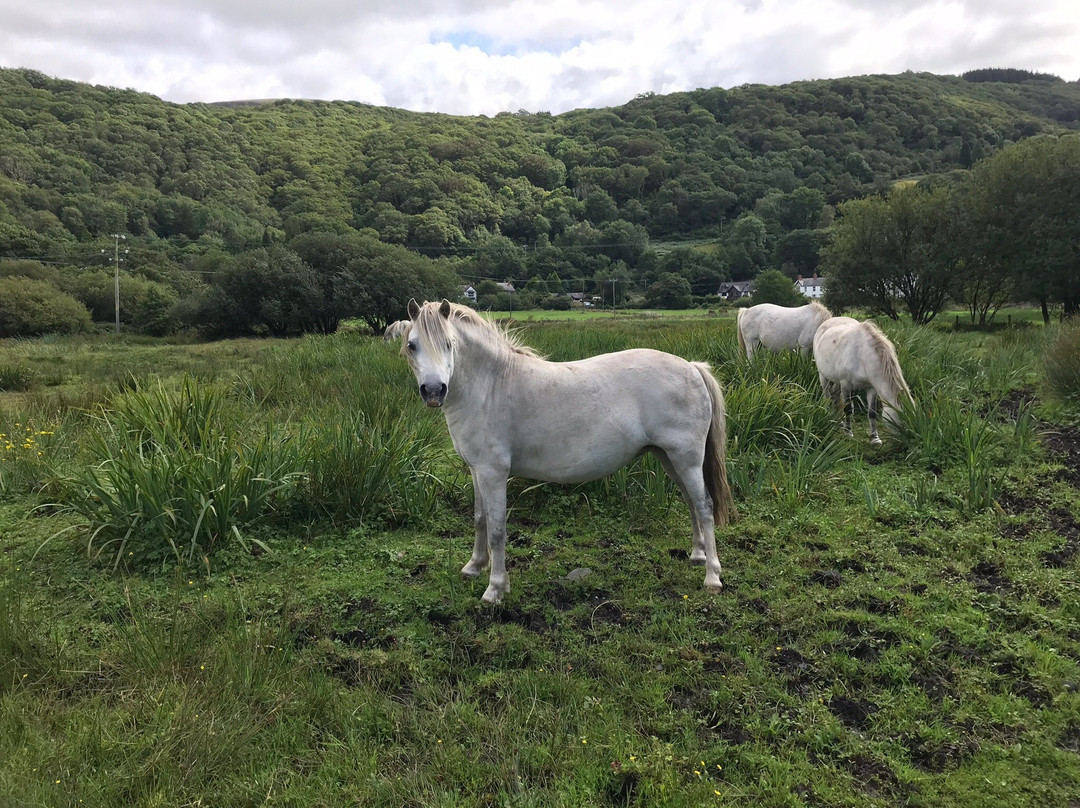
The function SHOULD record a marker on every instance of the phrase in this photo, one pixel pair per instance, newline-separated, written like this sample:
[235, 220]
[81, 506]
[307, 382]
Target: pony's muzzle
[433, 396]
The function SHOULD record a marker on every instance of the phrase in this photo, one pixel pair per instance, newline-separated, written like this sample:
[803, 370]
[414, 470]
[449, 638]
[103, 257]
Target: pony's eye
[411, 346]
[448, 345]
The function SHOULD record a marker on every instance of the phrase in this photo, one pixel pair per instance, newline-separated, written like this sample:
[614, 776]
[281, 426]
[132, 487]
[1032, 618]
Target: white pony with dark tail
[511, 412]
[395, 330]
[779, 328]
[853, 355]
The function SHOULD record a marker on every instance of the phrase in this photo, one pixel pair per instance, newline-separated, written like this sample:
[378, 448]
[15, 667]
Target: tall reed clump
[175, 470]
[15, 377]
[782, 434]
[1062, 363]
[942, 431]
[376, 463]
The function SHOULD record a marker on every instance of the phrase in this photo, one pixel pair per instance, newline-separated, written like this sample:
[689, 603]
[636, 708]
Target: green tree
[30, 307]
[670, 291]
[380, 279]
[1023, 220]
[773, 286]
[893, 251]
[747, 246]
[266, 292]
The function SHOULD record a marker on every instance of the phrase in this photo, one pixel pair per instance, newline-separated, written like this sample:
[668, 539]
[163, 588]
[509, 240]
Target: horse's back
[843, 351]
[576, 421]
[779, 327]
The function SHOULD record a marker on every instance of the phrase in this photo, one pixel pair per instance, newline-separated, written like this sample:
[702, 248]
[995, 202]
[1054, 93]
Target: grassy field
[228, 577]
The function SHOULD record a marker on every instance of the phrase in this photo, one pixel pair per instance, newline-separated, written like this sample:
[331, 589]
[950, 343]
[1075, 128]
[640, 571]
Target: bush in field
[773, 286]
[1062, 363]
[144, 304]
[669, 292]
[31, 307]
[364, 466]
[176, 472]
[15, 378]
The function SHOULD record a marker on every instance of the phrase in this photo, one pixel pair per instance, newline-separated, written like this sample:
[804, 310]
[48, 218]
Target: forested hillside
[580, 195]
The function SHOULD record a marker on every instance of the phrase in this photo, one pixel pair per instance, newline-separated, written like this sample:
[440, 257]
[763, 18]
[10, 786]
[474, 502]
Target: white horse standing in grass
[853, 355]
[510, 412]
[395, 330]
[779, 328]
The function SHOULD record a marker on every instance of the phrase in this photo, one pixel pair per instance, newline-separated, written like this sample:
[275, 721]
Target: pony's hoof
[875, 441]
[697, 561]
[492, 596]
[716, 587]
[471, 571]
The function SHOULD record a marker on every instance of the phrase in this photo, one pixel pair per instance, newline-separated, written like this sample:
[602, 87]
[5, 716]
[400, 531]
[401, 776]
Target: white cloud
[486, 56]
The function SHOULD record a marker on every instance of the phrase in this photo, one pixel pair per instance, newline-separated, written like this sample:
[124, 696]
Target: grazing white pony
[779, 328]
[510, 412]
[395, 330]
[853, 355]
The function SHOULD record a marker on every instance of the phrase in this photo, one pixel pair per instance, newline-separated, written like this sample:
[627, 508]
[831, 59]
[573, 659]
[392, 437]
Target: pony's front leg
[492, 485]
[871, 411]
[479, 558]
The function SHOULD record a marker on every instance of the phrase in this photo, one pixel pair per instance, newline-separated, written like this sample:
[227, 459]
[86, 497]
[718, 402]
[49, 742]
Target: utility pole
[116, 237]
[612, 297]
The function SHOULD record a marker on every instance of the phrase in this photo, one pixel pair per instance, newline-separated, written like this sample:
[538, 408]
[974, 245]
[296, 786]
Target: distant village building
[468, 293]
[735, 290]
[811, 287]
[507, 287]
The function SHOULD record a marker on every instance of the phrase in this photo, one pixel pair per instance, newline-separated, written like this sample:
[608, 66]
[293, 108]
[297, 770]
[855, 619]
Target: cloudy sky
[471, 57]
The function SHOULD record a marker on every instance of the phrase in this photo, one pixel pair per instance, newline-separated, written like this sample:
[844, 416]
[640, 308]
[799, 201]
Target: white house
[811, 287]
[468, 293]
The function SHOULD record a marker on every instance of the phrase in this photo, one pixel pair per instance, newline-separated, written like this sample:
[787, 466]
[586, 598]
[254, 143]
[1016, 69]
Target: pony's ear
[444, 308]
[414, 308]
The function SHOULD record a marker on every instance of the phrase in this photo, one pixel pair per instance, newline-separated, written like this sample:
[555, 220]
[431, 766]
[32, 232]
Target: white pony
[395, 330]
[779, 328]
[511, 412]
[853, 355]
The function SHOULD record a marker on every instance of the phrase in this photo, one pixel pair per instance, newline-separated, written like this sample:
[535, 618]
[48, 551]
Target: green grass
[899, 625]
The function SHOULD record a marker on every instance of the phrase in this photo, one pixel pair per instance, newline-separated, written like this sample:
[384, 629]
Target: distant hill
[78, 162]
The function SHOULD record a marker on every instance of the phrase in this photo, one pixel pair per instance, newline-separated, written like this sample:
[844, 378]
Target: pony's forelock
[435, 330]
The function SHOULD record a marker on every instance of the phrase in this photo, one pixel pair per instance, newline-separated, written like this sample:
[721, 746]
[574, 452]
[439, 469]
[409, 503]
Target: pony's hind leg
[479, 558]
[848, 401]
[688, 472]
[697, 550]
[871, 412]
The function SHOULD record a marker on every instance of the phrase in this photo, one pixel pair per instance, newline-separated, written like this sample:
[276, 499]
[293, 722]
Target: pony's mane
[432, 327]
[886, 353]
[822, 313]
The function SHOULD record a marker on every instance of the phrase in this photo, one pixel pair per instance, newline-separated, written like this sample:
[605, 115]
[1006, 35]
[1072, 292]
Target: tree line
[1007, 230]
[665, 194]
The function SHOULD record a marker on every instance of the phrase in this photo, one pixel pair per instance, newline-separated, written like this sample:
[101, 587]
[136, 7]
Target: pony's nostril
[423, 391]
[442, 390]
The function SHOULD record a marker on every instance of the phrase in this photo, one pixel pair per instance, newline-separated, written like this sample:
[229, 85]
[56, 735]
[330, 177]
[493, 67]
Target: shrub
[175, 472]
[31, 307]
[1062, 363]
[15, 378]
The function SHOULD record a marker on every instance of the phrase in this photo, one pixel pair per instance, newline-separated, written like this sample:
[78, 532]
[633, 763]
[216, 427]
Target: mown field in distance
[899, 625]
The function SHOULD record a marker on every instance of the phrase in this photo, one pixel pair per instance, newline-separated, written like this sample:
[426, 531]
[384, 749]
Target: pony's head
[429, 347]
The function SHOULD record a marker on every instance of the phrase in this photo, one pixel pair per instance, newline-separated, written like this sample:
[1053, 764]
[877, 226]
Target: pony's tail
[890, 367]
[715, 466]
[738, 331]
